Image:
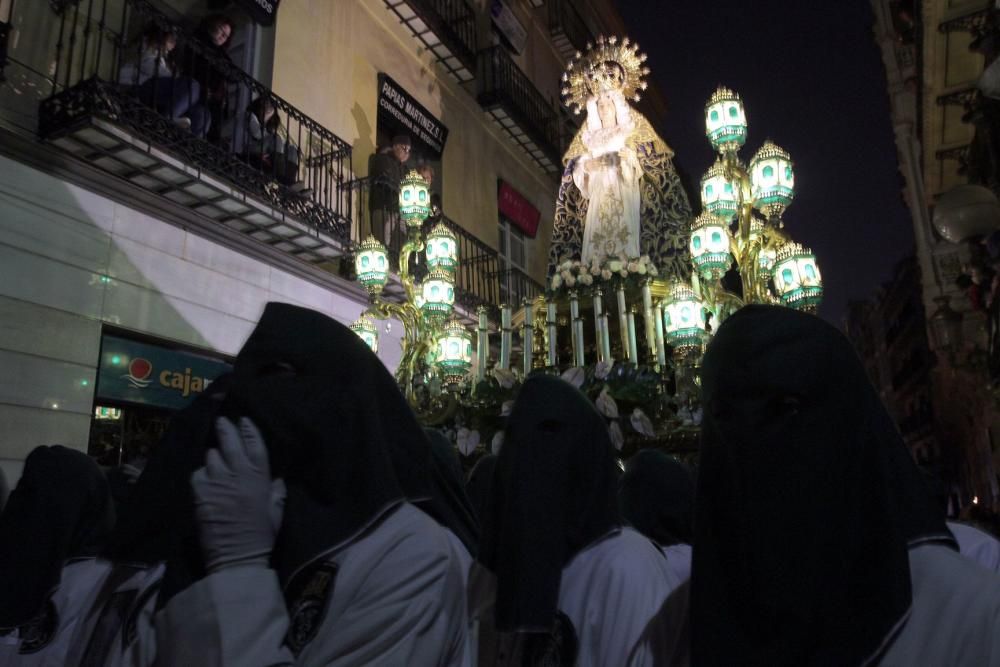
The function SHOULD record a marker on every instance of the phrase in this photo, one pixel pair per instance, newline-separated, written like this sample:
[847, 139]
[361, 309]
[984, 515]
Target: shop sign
[261, 11]
[400, 113]
[509, 25]
[516, 208]
[134, 372]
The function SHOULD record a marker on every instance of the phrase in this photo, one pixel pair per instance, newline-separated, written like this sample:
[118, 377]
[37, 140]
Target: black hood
[656, 496]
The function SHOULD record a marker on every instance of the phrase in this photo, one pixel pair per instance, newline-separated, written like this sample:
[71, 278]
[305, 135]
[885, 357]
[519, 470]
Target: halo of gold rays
[608, 64]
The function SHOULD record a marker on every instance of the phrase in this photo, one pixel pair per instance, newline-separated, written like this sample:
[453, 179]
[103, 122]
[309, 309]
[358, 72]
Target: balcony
[481, 280]
[521, 111]
[283, 187]
[569, 32]
[446, 28]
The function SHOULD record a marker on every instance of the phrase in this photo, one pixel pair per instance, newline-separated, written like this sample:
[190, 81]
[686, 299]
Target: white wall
[57, 241]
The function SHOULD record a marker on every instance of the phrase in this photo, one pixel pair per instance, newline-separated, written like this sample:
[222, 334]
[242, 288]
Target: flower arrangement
[575, 274]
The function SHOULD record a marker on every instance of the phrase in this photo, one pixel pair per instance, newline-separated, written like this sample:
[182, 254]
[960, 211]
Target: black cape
[449, 491]
[480, 484]
[61, 509]
[554, 493]
[807, 501]
[656, 496]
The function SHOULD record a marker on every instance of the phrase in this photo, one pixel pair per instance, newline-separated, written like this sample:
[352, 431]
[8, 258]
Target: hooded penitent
[656, 496]
[337, 429]
[449, 490]
[807, 501]
[480, 484]
[554, 493]
[61, 509]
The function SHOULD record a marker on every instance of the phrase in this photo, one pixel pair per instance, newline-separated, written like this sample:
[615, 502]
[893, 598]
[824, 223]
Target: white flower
[653, 270]
[497, 442]
[617, 437]
[567, 265]
[603, 368]
[623, 273]
[570, 281]
[467, 441]
[645, 259]
[586, 279]
[641, 423]
[633, 267]
[574, 376]
[506, 408]
[556, 281]
[595, 269]
[606, 274]
[566, 275]
[641, 269]
[606, 404]
[615, 265]
[504, 377]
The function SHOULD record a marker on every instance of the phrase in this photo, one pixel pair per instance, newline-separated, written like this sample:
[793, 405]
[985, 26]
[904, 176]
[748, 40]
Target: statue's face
[606, 112]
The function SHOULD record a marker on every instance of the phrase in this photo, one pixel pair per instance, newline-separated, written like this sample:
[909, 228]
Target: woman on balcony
[208, 63]
[155, 79]
[266, 147]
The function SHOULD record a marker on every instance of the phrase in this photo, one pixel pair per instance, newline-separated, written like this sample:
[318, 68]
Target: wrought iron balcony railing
[482, 278]
[519, 108]
[150, 102]
[447, 28]
[569, 31]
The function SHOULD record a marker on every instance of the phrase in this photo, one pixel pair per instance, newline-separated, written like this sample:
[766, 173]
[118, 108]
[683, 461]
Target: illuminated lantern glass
[454, 352]
[709, 246]
[725, 121]
[438, 292]
[772, 179]
[366, 331]
[442, 249]
[718, 195]
[683, 319]
[414, 200]
[797, 278]
[371, 264]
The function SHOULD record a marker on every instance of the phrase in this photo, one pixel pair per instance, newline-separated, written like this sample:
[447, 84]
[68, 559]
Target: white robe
[397, 599]
[954, 619]
[977, 545]
[79, 583]
[679, 563]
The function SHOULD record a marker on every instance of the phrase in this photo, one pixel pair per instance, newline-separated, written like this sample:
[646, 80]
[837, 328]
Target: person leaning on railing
[209, 64]
[267, 147]
[385, 171]
[154, 78]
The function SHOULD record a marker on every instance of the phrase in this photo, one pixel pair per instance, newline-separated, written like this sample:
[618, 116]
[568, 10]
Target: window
[511, 247]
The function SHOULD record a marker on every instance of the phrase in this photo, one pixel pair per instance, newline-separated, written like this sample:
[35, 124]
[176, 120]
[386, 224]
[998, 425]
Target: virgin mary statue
[620, 196]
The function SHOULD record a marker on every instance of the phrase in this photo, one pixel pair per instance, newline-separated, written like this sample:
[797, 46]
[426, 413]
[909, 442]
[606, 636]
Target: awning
[516, 208]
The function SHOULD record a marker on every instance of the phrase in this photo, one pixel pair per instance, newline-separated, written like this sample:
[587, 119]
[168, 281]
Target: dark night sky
[812, 80]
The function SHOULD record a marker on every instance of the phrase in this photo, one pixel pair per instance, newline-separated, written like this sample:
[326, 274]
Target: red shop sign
[518, 210]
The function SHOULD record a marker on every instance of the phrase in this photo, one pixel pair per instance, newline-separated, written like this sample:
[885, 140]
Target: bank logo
[138, 374]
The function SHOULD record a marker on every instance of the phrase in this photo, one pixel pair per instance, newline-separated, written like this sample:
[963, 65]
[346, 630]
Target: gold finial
[608, 65]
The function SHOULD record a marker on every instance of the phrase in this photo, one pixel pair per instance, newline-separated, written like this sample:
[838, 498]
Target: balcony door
[511, 246]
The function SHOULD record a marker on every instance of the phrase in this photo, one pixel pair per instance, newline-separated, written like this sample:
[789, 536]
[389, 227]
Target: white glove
[238, 507]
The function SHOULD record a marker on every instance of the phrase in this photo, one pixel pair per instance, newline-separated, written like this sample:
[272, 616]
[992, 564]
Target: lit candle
[647, 317]
[574, 306]
[661, 350]
[605, 340]
[622, 319]
[578, 329]
[598, 309]
[633, 351]
[505, 337]
[553, 331]
[482, 344]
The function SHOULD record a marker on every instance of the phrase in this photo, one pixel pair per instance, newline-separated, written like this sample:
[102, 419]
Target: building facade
[136, 254]
[934, 53]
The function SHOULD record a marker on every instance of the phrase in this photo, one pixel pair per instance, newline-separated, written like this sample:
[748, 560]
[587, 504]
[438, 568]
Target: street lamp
[797, 279]
[725, 121]
[684, 322]
[371, 265]
[366, 331]
[718, 196]
[772, 179]
[442, 249]
[454, 353]
[710, 243]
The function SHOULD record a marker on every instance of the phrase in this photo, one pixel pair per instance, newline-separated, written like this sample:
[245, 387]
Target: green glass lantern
[725, 121]
[684, 319]
[366, 331]
[454, 353]
[797, 278]
[442, 249]
[773, 179]
[414, 200]
[371, 264]
[438, 292]
[710, 246]
[718, 194]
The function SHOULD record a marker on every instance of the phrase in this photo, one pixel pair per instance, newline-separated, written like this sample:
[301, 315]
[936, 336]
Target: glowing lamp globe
[718, 195]
[442, 249]
[454, 352]
[683, 319]
[772, 179]
[709, 246]
[366, 331]
[371, 264]
[414, 200]
[797, 278]
[766, 260]
[438, 291]
[725, 121]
